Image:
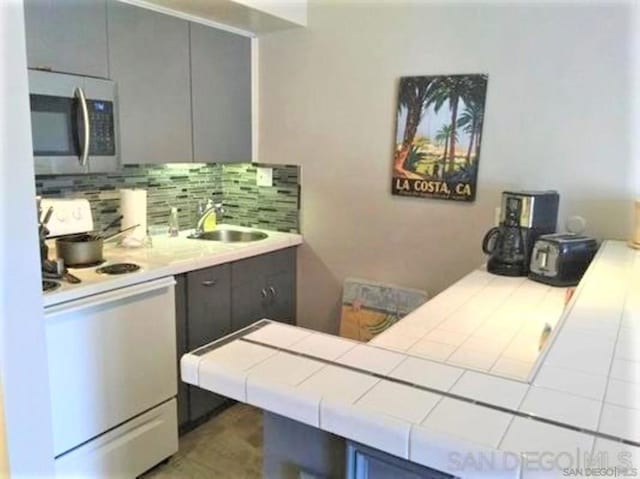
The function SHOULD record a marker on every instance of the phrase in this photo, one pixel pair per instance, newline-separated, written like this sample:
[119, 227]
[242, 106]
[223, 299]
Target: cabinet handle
[209, 282]
[273, 291]
[263, 293]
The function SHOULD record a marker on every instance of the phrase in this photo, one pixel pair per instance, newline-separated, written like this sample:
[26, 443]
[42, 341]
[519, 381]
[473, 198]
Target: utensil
[112, 224]
[57, 270]
[71, 278]
[47, 216]
[119, 233]
[84, 248]
[79, 249]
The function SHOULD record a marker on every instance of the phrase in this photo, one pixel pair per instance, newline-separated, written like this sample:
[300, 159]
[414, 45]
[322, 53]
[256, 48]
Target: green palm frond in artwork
[384, 323]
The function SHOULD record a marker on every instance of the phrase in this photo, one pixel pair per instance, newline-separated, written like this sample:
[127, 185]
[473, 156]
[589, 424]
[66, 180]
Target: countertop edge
[179, 267]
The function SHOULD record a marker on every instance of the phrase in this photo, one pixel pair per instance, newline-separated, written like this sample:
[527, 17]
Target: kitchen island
[460, 413]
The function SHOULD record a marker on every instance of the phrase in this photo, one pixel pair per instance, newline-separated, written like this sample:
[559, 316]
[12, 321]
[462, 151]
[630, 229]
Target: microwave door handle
[87, 126]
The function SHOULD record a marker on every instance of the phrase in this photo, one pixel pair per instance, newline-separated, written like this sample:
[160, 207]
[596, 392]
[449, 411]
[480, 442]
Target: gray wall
[26, 437]
[557, 116]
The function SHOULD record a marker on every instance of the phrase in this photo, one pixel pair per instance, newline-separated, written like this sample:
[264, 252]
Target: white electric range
[73, 216]
[112, 365]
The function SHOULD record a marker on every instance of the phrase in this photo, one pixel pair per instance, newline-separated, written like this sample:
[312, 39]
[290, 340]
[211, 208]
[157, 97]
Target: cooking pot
[84, 248]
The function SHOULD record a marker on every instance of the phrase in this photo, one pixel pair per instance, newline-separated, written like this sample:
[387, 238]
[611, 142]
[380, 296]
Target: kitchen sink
[230, 236]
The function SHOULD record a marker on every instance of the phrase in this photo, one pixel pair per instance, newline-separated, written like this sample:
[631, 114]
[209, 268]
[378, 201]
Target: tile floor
[228, 445]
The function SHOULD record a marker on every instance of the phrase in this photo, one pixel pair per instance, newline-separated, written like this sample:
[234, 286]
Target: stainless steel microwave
[74, 123]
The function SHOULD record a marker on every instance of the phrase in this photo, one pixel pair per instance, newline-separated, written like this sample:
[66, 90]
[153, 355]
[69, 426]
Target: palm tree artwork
[439, 126]
[411, 100]
[444, 137]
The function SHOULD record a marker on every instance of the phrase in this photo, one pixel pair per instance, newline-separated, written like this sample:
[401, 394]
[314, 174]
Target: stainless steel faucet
[204, 210]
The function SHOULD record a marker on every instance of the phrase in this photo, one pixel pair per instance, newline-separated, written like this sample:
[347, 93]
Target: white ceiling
[225, 13]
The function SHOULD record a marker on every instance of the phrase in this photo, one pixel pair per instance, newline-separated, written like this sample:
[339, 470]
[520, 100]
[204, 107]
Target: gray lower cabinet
[221, 93]
[149, 59]
[213, 302]
[263, 287]
[67, 36]
[203, 314]
[208, 319]
[367, 463]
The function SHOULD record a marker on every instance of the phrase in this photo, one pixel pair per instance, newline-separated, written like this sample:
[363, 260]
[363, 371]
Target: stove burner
[49, 285]
[85, 265]
[118, 268]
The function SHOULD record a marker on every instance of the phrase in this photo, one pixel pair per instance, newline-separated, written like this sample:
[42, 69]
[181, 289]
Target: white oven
[112, 373]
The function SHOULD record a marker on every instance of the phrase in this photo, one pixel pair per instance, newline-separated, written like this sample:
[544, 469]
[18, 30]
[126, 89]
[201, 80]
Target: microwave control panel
[103, 142]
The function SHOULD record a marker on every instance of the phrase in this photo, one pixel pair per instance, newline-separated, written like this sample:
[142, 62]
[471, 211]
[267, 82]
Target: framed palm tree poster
[438, 136]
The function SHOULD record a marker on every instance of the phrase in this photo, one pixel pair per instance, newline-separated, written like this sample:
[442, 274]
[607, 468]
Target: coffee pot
[524, 216]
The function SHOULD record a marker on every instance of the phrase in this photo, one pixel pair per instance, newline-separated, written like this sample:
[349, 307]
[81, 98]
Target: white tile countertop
[472, 325]
[581, 395]
[166, 257]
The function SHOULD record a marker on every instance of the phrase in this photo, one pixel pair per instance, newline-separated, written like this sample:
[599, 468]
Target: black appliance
[524, 216]
[561, 259]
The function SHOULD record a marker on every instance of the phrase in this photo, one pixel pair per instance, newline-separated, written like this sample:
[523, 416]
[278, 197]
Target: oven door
[111, 357]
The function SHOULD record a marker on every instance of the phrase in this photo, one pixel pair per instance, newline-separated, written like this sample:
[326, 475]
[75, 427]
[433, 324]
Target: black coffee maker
[524, 216]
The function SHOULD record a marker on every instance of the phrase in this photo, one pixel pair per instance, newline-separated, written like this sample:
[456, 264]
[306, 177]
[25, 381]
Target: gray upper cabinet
[67, 36]
[149, 59]
[221, 95]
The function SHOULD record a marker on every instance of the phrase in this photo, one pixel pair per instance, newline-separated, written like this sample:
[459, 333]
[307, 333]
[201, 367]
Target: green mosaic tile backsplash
[182, 186]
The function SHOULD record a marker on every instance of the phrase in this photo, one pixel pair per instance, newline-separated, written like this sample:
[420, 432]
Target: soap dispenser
[174, 225]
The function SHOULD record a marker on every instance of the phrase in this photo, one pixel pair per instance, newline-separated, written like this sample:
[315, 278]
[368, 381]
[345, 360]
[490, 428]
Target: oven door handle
[84, 154]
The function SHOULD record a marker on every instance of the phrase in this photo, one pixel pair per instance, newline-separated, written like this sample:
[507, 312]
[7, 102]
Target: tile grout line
[448, 314]
[430, 411]
[613, 355]
[514, 417]
[469, 335]
[506, 300]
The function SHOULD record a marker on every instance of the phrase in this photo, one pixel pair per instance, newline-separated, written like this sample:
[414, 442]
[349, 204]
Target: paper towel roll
[133, 207]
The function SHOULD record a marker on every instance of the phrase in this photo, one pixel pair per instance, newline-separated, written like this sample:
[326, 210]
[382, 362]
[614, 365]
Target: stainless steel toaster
[561, 259]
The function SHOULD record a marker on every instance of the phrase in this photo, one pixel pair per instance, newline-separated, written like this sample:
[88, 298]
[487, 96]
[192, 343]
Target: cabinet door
[209, 313]
[280, 303]
[280, 280]
[149, 58]
[367, 463]
[248, 293]
[181, 346]
[208, 319]
[248, 303]
[67, 36]
[221, 92]
[263, 287]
